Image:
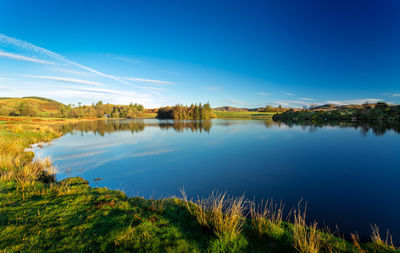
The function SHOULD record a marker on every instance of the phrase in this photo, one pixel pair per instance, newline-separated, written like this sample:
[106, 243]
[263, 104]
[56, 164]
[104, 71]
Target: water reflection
[335, 169]
[103, 127]
[377, 128]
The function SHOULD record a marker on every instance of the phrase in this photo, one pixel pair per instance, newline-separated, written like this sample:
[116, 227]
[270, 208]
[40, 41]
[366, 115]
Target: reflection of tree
[108, 126]
[181, 125]
[268, 123]
[378, 128]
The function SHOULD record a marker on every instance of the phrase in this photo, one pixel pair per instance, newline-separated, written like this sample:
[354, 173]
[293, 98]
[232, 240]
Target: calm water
[349, 176]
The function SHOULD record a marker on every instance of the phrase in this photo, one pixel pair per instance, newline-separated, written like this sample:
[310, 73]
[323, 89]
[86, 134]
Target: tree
[25, 109]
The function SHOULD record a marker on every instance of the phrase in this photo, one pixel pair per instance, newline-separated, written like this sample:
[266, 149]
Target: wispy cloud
[288, 94]
[6, 40]
[353, 101]
[236, 102]
[96, 90]
[296, 103]
[53, 67]
[123, 58]
[396, 95]
[263, 93]
[213, 88]
[70, 71]
[65, 80]
[24, 58]
[142, 80]
[307, 99]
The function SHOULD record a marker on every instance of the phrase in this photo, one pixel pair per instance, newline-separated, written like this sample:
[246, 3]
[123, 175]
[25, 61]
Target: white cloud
[237, 102]
[263, 93]
[134, 79]
[66, 80]
[74, 73]
[70, 71]
[123, 58]
[289, 94]
[96, 90]
[307, 99]
[296, 103]
[213, 88]
[23, 58]
[396, 95]
[44, 52]
[353, 101]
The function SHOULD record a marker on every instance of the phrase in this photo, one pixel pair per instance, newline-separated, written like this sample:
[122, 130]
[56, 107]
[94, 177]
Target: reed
[377, 239]
[222, 214]
[306, 239]
[266, 218]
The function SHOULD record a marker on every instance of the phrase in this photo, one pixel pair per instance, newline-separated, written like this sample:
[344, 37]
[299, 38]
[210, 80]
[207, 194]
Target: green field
[239, 115]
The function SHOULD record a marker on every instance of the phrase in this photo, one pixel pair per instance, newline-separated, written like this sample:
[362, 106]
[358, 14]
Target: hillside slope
[41, 107]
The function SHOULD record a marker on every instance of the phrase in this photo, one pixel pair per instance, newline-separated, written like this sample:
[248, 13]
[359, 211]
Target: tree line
[101, 110]
[98, 110]
[379, 112]
[193, 112]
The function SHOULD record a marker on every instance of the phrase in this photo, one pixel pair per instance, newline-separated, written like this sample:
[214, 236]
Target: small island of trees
[194, 112]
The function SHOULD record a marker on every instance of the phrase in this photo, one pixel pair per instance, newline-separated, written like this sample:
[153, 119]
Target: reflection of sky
[337, 170]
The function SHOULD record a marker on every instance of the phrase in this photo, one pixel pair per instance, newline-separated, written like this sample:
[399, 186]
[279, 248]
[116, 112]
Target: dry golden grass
[306, 239]
[27, 175]
[222, 214]
[356, 243]
[376, 238]
[266, 218]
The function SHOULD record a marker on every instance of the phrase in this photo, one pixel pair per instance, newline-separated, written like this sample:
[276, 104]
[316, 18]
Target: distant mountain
[234, 109]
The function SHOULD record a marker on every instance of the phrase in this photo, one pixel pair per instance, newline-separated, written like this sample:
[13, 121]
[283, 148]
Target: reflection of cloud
[152, 153]
[89, 164]
[79, 155]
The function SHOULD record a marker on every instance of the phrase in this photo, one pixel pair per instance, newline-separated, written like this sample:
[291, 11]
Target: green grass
[238, 115]
[148, 115]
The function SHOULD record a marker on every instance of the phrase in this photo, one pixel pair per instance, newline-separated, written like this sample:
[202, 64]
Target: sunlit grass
[266, 218]
[245, 114]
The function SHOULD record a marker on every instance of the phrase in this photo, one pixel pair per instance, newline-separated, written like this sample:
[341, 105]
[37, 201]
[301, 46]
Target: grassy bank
[38, 213]
[243, 115]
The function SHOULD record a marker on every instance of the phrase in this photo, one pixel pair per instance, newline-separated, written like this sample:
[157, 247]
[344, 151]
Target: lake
[349, 176]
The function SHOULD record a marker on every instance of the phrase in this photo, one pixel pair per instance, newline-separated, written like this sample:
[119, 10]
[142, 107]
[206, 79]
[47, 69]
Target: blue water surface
[349, 177]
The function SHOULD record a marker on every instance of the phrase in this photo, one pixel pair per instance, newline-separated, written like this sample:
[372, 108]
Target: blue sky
[238, 53]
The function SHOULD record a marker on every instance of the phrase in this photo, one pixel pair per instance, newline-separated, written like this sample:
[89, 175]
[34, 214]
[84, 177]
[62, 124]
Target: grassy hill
[43, 107]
